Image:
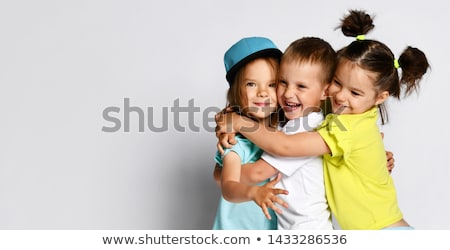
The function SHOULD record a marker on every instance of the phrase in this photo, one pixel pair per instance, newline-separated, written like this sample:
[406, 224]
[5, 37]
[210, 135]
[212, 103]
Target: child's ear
[381, 97]
[325, 92]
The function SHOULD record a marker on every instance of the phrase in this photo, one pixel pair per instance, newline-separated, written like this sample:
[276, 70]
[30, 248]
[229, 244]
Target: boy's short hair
[313, 50]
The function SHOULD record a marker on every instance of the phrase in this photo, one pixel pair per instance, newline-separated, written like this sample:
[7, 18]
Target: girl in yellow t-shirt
[359, 189]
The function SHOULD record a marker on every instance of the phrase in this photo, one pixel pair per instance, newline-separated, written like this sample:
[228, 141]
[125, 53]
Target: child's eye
[337, 83]
[283, 83]
[355, 93]
[251, 84]
[273, 85]
[301, 86]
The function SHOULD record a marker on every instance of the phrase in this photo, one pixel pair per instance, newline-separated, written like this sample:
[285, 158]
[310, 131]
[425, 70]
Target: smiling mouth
[289, 106]
[262, 104]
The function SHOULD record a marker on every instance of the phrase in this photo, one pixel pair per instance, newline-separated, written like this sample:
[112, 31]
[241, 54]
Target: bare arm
[256, 172]
[217, 175]
[251, 173]
[235, 191]
[271, 140]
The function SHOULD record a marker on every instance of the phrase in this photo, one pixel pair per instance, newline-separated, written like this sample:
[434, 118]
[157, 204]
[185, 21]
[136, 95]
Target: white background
[62, 63]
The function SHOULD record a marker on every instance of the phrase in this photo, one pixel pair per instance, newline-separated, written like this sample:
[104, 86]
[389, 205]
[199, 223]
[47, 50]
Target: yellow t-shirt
[359, 188]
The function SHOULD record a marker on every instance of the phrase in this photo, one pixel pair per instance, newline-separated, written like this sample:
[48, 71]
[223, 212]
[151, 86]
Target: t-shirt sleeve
[218, 158]
[237, 148]
[336, 135]
[286, 165]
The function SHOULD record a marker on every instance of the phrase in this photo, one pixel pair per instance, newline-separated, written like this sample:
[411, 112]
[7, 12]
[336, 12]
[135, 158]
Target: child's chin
[293, 115]
[258, 116]
[340, 111]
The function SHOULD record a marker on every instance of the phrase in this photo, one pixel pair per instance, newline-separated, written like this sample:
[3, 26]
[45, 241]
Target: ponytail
[376, 57]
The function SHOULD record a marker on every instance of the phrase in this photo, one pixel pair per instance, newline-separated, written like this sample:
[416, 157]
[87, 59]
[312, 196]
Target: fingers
[231, 139]
[224, 141]
[275, 208]
[266, 212]
[389, 155]
[271, 203]
[218, 117]
[218, 131]
[279, 200]
[226, 138]
[271, 196]
[390, 161]
[277, 178]
[273, 199]
[220, 148]
[267, 198]
[265, 207]
[278, 191]
[390, 165]
[224, 122]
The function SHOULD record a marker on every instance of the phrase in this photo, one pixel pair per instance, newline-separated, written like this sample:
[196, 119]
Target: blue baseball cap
[246, 50]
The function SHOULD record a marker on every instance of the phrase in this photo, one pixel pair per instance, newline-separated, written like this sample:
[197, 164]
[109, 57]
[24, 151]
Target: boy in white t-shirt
[306, 70]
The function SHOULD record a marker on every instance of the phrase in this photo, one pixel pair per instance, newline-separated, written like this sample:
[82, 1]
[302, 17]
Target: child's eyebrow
[247, 79]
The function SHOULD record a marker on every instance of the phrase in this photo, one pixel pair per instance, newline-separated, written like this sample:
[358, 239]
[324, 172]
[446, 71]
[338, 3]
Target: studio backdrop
[107, 107]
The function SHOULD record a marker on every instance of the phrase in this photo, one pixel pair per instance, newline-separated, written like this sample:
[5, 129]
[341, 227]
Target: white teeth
[293, 104]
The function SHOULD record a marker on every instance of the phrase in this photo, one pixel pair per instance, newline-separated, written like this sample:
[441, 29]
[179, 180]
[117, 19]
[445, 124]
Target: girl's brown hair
[376, 57]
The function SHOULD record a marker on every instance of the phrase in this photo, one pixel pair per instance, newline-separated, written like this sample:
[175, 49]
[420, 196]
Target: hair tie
[360, 37]
[396, 64]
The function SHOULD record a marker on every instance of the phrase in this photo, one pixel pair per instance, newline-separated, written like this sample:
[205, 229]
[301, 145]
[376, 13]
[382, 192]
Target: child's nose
[263, 92]
[340, 95]
[288, 92]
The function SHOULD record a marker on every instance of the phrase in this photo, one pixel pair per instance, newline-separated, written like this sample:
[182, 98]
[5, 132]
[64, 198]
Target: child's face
[353, 90]
[260, 86]
[300, 88]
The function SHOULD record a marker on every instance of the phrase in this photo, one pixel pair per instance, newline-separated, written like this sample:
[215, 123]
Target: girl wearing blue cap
[359, 189]
[252, 65]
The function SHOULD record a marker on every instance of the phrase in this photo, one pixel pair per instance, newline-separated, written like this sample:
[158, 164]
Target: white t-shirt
[303, 178]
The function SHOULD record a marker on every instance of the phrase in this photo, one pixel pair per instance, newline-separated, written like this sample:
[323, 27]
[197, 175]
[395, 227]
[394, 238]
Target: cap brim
[259, 54]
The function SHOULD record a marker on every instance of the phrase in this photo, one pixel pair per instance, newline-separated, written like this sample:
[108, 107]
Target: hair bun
[357, 22]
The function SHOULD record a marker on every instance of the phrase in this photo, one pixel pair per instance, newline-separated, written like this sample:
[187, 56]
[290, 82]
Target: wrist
[252, 192]
[237, 122]
[245, 125]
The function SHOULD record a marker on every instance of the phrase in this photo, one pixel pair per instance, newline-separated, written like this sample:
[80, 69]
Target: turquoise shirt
[243, 215]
